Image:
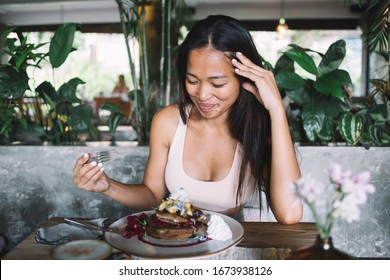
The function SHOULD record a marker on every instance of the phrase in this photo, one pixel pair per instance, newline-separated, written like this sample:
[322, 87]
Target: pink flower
[337, 175]
[362, 178]
[347, 209]
[342, 196]
[307, 189]
[358, 186]
[362, 187]
[335, 172]
[347, 186]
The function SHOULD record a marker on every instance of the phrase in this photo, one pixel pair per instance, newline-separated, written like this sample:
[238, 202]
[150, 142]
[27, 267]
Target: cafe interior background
[36, 192]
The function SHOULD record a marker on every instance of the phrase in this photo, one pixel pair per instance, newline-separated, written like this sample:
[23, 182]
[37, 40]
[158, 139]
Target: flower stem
[323, 228]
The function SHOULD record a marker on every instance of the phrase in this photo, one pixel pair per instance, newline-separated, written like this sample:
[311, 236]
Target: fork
[85, 224]
[103, 156]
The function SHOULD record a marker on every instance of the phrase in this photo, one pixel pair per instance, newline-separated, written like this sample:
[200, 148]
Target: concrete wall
[36, 184]
[370, 236]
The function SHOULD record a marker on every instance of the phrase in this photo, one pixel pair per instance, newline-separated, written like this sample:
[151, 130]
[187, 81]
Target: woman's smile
[211, 82]
[206, 107]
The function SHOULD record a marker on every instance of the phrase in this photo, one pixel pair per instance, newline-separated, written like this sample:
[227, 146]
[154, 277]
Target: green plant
[376, 23]
[374, 111]
[54, 115]
[14, 81]
[146, 95]
[322, 106]
[319, 101]
[116, 117]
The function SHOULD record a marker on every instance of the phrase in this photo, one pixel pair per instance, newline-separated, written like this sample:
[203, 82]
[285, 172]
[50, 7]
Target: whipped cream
[179, 194]
[217, 229]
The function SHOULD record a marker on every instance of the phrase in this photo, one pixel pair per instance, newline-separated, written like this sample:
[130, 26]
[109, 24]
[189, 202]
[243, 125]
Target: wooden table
[262, 240]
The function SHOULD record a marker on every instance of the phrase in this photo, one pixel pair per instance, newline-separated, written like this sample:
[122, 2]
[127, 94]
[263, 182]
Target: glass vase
[323, 249]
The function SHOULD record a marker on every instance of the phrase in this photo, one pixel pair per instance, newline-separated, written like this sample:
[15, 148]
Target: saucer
[87, 249]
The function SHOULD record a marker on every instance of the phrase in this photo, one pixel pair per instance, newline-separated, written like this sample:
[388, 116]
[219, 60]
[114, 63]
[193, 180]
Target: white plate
[139, 248]
[87, 249]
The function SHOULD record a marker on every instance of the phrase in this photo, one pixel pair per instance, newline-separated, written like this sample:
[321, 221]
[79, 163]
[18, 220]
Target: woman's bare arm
[151, 191]
[284, 166]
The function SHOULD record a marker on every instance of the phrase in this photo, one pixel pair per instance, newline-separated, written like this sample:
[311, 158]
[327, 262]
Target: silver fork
[103, 156]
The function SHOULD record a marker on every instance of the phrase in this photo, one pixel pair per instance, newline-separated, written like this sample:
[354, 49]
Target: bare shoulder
[165, 123]
[167, 116]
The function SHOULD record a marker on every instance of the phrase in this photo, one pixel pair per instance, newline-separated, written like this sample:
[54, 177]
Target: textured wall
[370, 236]
[36, 184]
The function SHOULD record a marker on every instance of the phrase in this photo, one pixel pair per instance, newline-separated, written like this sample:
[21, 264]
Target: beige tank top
[218, 196]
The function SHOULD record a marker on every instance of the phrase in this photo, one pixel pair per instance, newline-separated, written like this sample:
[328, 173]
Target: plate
[153, 248]
[87, 249]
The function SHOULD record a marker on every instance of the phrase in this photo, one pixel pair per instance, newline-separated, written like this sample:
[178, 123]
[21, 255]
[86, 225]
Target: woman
[120, 89]
[227, 135]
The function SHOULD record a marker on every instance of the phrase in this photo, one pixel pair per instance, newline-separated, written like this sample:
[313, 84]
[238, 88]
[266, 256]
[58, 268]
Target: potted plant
[56, 116]
[375, 108]
[322, 109]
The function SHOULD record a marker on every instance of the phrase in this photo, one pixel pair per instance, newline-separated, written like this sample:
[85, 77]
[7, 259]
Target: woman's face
[211, 82]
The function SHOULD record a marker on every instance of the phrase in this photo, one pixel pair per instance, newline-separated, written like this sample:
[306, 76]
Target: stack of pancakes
[175, 220]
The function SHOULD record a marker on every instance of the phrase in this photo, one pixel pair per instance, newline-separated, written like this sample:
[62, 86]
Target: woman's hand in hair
[264, 86]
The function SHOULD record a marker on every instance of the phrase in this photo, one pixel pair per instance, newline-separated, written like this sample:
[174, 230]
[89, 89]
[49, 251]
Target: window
[98, 60]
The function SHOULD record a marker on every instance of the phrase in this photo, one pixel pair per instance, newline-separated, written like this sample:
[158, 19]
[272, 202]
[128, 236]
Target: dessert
[217, 229]
[177, 219]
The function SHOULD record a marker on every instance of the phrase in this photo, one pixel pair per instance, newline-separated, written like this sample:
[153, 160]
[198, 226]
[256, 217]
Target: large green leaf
[110, 107]
[61, 44]
[378, 133]
[326, 132]
[332, 58]
[13, 84]
[63, 108]
[385, 137]
[68, 90]
[378, 112]
[289, 80]
[7, 116]
[313, 120]
[80, 117]
[114, 121]
[303, 59]
[365, 139]
[333, 106]
[300, 96]
[307, 50]
[46, 89]
[5, 125]
[116, 117]
[350, 127]
[333, 83]
[375, 134]
[284, 63]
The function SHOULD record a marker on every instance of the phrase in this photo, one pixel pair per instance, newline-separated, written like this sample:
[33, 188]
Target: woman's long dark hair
[249, 122]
